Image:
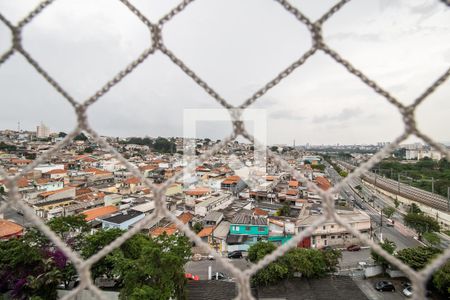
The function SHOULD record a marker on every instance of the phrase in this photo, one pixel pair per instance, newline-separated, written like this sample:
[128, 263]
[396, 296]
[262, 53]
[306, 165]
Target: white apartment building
[42, 131]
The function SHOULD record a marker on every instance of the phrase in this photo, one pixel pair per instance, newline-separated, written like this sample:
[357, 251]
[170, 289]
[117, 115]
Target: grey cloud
[285, 114]
[345, 115]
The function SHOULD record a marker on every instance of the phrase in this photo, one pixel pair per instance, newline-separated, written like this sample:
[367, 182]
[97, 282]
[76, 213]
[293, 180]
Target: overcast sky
[236, 46]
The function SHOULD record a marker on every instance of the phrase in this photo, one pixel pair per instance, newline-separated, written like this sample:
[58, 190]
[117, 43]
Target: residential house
[123, 220]
[246, 230]
[332, 234]
[214, 202]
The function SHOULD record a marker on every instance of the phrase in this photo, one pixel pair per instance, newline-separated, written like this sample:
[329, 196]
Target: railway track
[427, 198]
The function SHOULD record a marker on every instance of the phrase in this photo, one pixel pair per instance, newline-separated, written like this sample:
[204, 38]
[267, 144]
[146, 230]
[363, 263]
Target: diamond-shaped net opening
[155, 29]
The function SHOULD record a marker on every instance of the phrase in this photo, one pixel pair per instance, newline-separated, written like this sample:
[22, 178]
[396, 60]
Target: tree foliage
[151, 268]
[432, 238]
[441, 279]
[420, 173]
[80, 137]
[421, 223]
[387, 246]
[415, 209]
[388, 211]
[285, 210]
[7, 147]
[197, 227]
[418, 257]
[309, 262]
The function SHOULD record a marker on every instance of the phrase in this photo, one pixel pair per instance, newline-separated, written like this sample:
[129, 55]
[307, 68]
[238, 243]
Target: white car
[408, 291]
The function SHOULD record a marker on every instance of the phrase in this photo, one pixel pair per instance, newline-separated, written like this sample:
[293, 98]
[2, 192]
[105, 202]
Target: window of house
[323, 227]
[247, 228]
[332, 226]
[333, 237]
[323, 236]
[261, 229]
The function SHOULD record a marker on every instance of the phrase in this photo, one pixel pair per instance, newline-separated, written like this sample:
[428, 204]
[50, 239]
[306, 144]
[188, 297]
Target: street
[402, 236]
[200, 268]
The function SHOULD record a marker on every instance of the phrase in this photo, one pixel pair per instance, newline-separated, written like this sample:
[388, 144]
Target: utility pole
[448, 197]
[381, 226]
[432, 185]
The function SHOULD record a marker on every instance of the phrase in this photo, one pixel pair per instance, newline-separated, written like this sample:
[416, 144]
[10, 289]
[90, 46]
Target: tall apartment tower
[42, 131]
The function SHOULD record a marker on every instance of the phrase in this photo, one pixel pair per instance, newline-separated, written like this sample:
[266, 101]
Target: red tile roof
[96, 171]
[132, 180]
[9, 229]
[45, 194]
[207, 231]
[323, 183]
[197, 192]
[160, 230]
[260, 212]
[94, 213]
[293, 183]
[292, 192]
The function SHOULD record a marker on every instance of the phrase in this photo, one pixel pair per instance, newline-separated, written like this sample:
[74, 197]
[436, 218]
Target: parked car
[210, 257]
[219, 276]
[235, 254]
[190, 276]
[354, 248]
[408, 292]
[384, 286]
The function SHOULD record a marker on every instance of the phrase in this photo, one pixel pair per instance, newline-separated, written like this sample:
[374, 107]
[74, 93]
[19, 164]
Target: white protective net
[242, 277]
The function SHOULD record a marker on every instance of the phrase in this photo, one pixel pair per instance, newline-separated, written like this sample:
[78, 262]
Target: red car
[354, 248]
[189, 276]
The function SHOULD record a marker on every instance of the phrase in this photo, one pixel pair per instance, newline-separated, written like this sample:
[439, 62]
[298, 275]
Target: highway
[402, 236]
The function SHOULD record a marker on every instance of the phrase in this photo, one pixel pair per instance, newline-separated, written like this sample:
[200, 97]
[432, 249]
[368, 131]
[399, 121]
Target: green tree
[441, 279]
[153, 268]
[343, 173]
[274, 149]
[415, 209]
[197, 227]
[2, 190]
[319, 167]
[432, 238]
[94, 243]
[387, 246]
[259, 250]
[62, 134]
[273, 272]
[309, 262]
[163, 145]
[28, 270]
[285, 210]
[88, 150]
[421, 223]
[417, 257]
[388, 211]
[396, 203]
[331, 257]
[80, 137]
